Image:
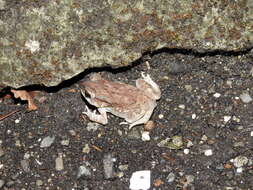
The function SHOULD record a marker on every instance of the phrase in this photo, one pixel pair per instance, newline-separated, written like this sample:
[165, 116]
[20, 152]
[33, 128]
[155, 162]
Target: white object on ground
[140, 180]
[208, 152]
[145, 136]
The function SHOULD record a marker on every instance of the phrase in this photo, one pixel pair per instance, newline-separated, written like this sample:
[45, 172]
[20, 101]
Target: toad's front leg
[99, 118]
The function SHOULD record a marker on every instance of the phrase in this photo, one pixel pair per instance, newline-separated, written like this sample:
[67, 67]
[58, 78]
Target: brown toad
[134, 104]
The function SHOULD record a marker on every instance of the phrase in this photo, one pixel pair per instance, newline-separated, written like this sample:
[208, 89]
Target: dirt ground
[202, 139]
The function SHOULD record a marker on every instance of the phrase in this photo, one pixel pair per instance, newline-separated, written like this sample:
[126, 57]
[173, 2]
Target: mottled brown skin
[134, 104]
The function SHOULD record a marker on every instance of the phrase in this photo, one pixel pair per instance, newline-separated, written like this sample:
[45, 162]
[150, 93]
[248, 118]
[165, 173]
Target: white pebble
[181, 106]
[189, 144]
[239, 170]
[227, 118]
[216, 95]
[160, 116]
[208, 152]
[251, 133]
[140, 180]
[47, 142]
[59, 163]
[246, 98]
[27, 156]
[92, 126]
[17, 121]
[204, 138]
[186, 151]
[194, 116]
[229, 83]
[145, 136]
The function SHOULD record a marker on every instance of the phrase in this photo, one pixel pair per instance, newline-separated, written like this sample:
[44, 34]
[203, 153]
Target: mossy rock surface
[46, 42]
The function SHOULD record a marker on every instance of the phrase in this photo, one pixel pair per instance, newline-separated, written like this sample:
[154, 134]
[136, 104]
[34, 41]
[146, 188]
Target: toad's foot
[99, 118]
[123, 123]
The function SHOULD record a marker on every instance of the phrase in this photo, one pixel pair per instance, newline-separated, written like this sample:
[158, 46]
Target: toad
[135, 104]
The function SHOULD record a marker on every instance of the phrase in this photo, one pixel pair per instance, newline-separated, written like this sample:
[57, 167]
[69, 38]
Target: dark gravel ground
[205, 101]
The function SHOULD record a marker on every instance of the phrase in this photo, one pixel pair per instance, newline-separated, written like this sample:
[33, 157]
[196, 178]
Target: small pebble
[251, 133]
[17, 143]
[9, 131]
[145, 136]
[177, 141]
[229, 83]
[72, 132]
[160, 116]
[47, 142]
[186, 151]
[188, 88]
[39, 182]
[239, 170]
[204, 138]
[92, 126]
[246, 98]
[120, 174]
[17, 121]
[123, 167]
[2, 182]
[189, 179]
[189, 144]
[171, 177]
[149, 126]
[59, 163]
[217, 95]
[25, 165]
[108, 166]
[208, 152]
[86, 149]
[120, 132]
[83, 171]
[65, 142]
[239, 144]
[227, 118]
[194, 116]
[181, 106]
[27, 155]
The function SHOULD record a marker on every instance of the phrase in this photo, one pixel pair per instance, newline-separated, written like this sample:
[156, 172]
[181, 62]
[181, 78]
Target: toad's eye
[87, 94]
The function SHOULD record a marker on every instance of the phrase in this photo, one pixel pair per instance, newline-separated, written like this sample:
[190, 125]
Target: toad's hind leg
[142, 120]
[99, 118]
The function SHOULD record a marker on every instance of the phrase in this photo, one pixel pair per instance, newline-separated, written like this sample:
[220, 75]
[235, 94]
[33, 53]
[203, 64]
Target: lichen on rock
[46, 42]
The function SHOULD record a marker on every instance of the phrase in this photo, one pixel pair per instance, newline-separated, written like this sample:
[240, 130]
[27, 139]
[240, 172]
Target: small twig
[2, 117]
[97, 148]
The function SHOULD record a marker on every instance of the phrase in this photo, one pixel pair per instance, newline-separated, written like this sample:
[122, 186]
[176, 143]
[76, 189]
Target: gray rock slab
[46, 42]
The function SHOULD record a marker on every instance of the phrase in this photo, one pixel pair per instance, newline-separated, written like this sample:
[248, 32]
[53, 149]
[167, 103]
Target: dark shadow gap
[197, 53]
[71, 81]
[146, 55]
